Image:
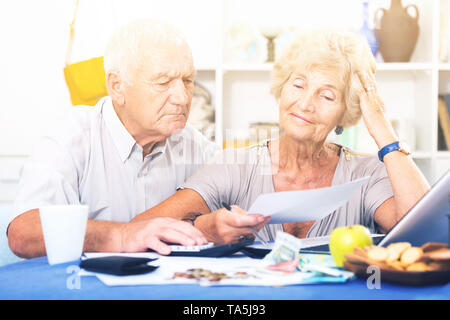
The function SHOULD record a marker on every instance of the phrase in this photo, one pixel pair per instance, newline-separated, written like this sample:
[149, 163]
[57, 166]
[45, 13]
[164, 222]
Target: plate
[437, 253]
[401, 277]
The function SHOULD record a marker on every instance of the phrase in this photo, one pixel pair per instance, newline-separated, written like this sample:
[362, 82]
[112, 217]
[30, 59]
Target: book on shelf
[444, 123]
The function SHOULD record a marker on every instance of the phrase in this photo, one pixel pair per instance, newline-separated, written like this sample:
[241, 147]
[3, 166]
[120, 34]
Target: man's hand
[223, 226]
[138, 236]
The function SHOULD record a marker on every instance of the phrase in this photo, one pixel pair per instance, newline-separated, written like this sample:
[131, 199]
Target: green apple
[344, 239]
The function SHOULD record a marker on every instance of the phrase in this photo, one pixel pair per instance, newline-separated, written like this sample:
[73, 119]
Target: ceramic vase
[397, 31]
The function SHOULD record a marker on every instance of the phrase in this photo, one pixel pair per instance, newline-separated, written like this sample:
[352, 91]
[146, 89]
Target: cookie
[439, 265]
[392, 255]
[378, 254]
[397, 265]
[440, 255]
[411, 255]
[418, 267]
[398, 247]
[431, 246]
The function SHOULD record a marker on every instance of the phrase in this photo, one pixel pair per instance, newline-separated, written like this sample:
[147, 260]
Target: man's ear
[115, 87]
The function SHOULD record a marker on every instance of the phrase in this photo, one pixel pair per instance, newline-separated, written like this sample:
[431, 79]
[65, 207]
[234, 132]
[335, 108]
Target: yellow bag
[85, 79]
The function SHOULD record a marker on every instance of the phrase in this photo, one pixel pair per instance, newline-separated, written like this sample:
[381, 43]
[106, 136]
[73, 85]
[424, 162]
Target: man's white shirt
[92, 159]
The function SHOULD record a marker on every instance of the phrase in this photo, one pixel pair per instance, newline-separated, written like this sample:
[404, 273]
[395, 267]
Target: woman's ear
[115, 87]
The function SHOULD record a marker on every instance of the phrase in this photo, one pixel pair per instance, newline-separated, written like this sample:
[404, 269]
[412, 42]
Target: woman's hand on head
[372, 109]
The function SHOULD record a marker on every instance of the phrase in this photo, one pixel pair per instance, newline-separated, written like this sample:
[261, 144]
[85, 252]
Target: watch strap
[191, 217]
[387, 149]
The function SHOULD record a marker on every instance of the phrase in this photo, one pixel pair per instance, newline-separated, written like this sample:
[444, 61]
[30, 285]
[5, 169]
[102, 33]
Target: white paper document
[305, 205]
[239, 269]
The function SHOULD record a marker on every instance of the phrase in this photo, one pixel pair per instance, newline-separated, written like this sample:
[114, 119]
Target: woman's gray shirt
[239, 176]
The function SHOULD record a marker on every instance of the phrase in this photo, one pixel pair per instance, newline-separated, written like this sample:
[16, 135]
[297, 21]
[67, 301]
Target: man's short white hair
[132, 44]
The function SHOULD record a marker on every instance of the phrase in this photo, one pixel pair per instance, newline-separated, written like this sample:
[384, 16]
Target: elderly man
[123, 156]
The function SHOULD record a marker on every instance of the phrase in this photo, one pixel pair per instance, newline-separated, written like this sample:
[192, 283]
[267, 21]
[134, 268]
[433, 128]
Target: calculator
[209, 249]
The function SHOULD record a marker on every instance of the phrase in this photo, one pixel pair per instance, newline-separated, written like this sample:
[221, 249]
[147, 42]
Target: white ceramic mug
[64, 228]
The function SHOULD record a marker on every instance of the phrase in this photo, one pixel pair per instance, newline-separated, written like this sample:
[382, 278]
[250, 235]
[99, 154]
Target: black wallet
[118, 265]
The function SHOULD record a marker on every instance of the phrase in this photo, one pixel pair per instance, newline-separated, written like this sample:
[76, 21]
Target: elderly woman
[324, 81]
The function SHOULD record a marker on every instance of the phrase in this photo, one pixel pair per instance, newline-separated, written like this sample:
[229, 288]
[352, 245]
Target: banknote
[285, 248]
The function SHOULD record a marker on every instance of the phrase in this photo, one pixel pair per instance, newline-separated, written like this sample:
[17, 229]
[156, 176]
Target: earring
[338, 130]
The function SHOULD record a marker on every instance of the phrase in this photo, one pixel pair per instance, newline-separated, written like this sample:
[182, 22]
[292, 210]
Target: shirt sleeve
[49, 177]
[197, 151]
[378, 190]
[213, 181]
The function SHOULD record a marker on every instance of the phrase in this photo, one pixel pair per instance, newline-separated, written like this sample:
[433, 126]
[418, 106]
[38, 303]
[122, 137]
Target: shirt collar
[122, 139]
[159, 148]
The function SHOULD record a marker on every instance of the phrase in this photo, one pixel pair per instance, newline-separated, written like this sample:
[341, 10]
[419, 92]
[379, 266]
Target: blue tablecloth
[35, 279]
[6, 256]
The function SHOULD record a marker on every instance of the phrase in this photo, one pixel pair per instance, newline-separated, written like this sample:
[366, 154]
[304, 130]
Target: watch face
[404, 147]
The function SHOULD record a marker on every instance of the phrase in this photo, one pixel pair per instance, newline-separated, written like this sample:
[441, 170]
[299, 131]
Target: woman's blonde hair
[346, 53]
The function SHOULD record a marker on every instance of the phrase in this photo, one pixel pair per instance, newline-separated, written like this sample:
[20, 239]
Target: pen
[257, 236]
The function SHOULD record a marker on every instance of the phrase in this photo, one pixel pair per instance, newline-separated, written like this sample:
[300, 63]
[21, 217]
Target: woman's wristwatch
[395, 146]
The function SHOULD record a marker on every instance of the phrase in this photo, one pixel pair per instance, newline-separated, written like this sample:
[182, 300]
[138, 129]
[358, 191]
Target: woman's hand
[223, 226]
[372, 109]
[408, 183]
